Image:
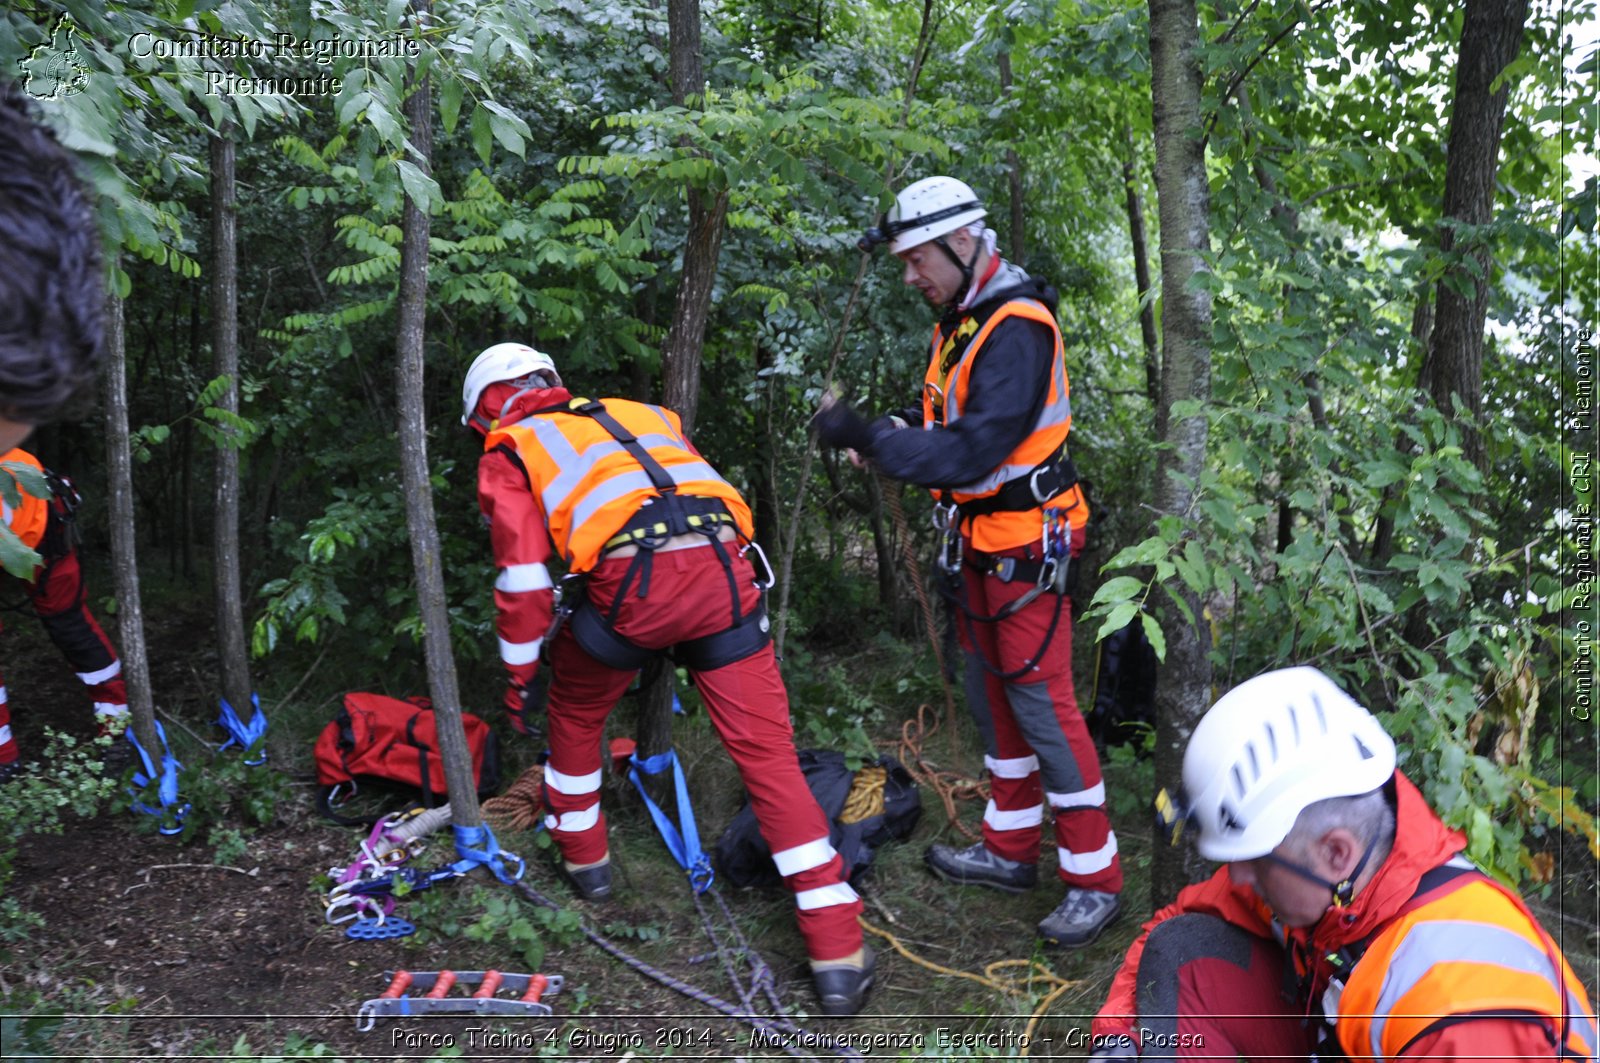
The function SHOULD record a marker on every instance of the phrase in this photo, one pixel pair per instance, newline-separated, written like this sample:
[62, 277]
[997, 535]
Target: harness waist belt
[1045, 482]
[668, 516]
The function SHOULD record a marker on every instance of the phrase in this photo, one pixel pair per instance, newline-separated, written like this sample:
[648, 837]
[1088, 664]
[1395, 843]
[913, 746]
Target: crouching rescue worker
[1345, 922]
[992, 445]
[655, 542]
[57, 594]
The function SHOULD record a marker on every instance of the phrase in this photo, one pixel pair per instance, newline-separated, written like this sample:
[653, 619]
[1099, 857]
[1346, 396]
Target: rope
[521, 806]
[792, 1035]
[865, 798]
[949, 785]
[891, 495]
[1013, 978]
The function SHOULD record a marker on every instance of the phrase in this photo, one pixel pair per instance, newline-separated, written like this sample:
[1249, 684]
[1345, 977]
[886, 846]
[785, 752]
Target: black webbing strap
[658, 476]
[1039, 486]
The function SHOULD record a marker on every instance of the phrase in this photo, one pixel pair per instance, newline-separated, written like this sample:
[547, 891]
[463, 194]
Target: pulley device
[525, 995]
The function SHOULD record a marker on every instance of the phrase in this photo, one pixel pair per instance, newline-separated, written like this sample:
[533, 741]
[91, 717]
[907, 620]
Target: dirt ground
[153, 950]
[158, 950]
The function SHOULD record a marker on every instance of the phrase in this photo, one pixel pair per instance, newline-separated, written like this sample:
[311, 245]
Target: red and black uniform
[1431, 959]
[556, 483]
[58, 597]
[996, 406]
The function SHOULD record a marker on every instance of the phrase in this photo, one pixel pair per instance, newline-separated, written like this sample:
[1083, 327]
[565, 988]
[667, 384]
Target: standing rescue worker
[57, 593]
[1345, 922]
[994, 420]
[651, 536]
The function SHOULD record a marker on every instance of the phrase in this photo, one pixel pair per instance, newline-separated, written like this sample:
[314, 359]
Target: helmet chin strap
[966, 268]
[1343, 892]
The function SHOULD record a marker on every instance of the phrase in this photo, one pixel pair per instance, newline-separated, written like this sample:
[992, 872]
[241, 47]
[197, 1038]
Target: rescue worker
[1345, 922]
[658, 542]
[52, 291]
[990, 440]
[57, 594]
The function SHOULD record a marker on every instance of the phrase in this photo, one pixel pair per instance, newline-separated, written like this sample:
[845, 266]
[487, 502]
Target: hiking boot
[842, 990]
[591, 883]
[1080, 918]
[117, 758]
[977, 866]
[10, 770]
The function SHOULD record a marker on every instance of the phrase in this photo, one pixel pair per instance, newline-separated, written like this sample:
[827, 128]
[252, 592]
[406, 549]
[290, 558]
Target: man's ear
[1340, 850]
[961, 242]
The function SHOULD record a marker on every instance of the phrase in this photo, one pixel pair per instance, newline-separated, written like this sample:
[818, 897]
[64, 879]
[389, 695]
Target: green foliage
[36, 802]
[491, 915]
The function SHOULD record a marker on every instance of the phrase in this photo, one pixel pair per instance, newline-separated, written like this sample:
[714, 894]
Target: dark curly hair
[52, 289]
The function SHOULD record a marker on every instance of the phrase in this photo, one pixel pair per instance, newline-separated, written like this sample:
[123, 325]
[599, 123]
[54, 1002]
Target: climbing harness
[171, 813]
[527, 995]
[1049, 573]
[244, 735]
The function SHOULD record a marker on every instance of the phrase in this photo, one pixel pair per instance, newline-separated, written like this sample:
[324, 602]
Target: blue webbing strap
[167, 790]
[685, 847]
[244, 735]
[477, 848]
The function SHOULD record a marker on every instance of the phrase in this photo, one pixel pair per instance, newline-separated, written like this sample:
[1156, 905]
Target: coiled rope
[521, 806]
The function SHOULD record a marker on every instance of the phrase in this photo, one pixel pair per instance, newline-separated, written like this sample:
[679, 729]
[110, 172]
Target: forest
[1328, 285]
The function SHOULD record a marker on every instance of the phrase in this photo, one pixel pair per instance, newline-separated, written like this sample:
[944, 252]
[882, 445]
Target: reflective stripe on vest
[1474, 949]
[1003, 530]
[29, 517]
[588, 485]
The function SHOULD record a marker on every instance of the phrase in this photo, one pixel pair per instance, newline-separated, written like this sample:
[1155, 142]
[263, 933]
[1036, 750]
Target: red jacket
[1422, 842]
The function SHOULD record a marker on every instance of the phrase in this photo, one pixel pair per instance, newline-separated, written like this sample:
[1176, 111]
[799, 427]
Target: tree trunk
[124, 552]
[680, 355]
[1019, 243]
[1141, 270]
[1491, 37]
[420, 524]
[232, 647]
[1184, 689]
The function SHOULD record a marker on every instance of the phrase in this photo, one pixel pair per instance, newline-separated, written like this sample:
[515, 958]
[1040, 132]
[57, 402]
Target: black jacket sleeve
[1005, 394]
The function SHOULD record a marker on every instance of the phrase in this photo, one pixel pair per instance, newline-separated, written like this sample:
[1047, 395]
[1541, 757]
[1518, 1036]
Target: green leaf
[1120, 588]
[482, 134]
[15, 557]
[1119, 617]
[1153, 632]
[450, 103]
[423, 190]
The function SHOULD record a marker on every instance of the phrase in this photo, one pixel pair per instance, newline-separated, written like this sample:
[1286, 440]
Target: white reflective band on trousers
[1093, 797]
[1015, 819]
[1089, 863]
[572, 785]
[1013, 768]
[825, 897]
[803, 857]
[574, 822]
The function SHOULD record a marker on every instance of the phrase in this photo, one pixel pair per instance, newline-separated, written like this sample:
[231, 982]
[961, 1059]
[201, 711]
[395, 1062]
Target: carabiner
[771, 579]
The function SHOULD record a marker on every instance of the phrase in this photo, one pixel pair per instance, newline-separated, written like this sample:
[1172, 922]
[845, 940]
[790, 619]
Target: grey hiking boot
[842, 990]
[591, 883]
[1080, 918]
[977, 866]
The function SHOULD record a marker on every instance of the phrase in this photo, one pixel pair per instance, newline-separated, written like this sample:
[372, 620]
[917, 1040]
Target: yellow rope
[865, 799]
[1014, 978]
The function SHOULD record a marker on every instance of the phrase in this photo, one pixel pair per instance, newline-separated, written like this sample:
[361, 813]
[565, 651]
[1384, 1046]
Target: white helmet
[503, 361]
[930, 208]
[1272, 746]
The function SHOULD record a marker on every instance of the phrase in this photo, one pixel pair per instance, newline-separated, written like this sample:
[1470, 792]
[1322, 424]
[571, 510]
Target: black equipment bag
[742, 858]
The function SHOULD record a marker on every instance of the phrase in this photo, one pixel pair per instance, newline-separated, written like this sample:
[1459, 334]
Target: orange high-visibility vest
[1003, 530]
[1476, 948]
[587, 483]
[31, 514]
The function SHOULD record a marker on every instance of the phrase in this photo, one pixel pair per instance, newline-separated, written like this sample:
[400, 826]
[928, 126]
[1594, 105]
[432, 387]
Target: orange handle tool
[402, 982]
[535, 990]
[491, 982]
[442, 986]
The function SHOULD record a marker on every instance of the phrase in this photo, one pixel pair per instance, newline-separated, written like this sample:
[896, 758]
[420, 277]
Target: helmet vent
[1228, 821]
[1294, 721]
[1361, 748]
[1255, 762]
[1238, 780]
[1322, 717]
[1272, 742]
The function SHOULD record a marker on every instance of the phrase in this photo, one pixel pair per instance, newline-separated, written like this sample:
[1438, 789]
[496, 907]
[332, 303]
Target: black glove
[840, 426]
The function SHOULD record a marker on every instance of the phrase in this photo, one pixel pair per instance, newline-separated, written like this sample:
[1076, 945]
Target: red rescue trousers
[58, 597]
[1037, 746]
[686, 596]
